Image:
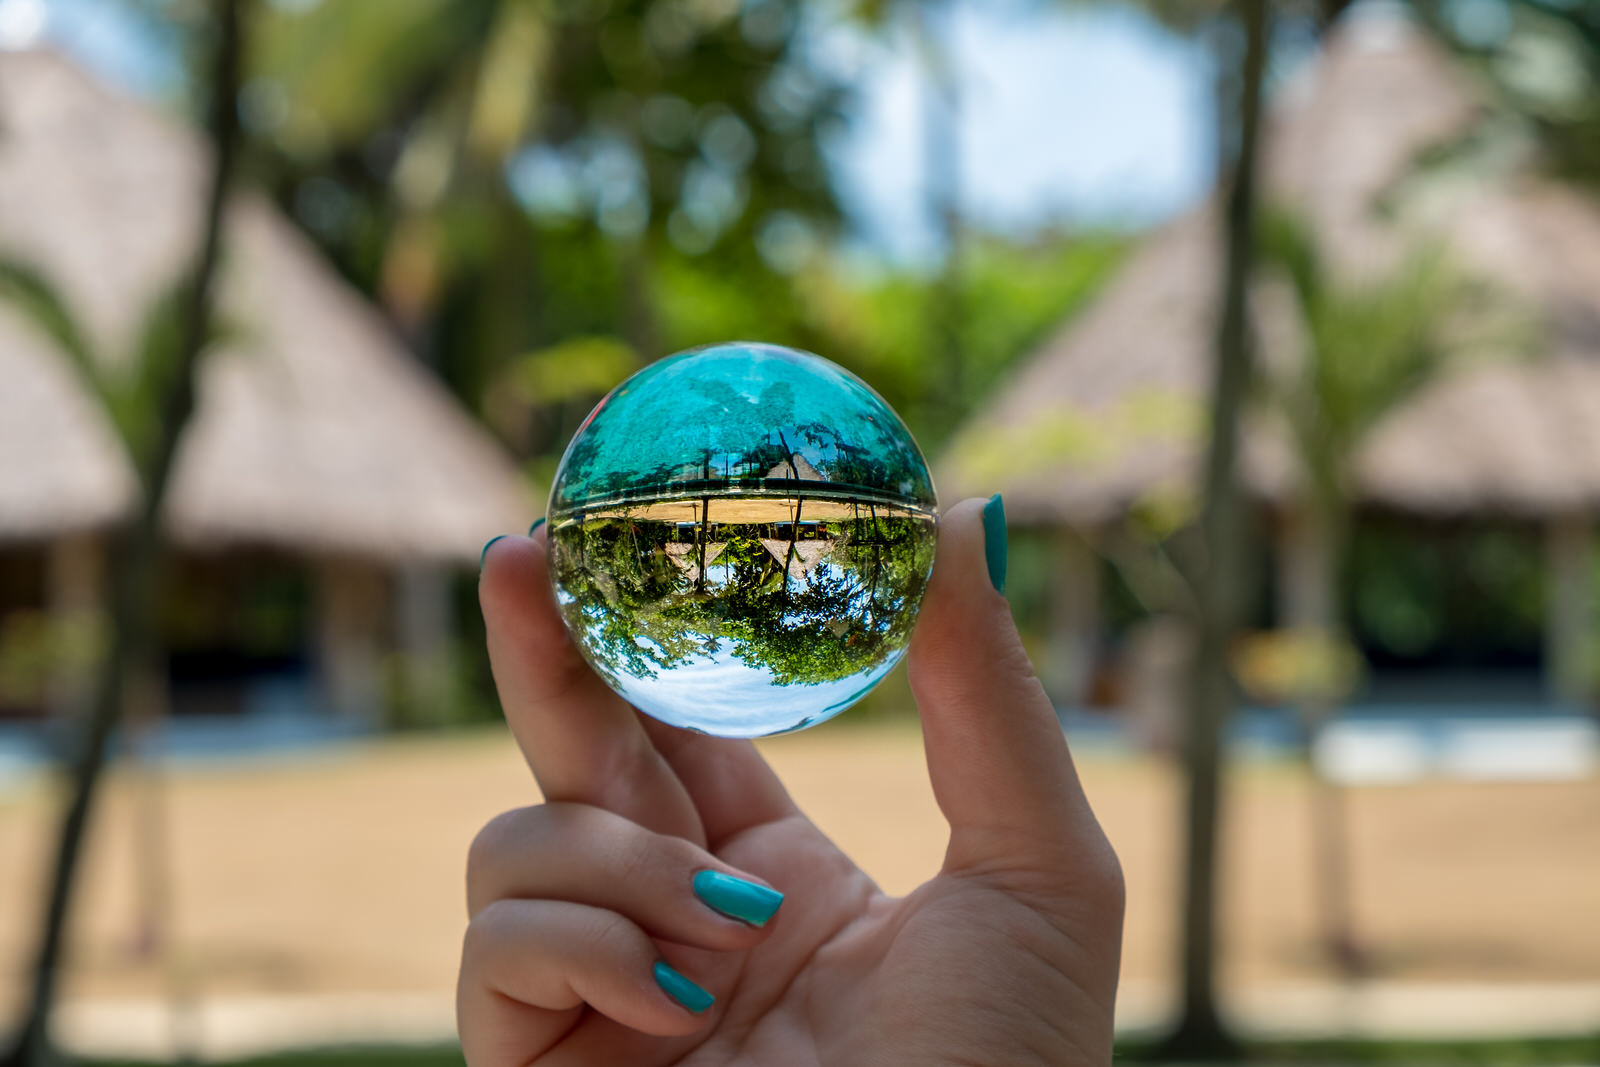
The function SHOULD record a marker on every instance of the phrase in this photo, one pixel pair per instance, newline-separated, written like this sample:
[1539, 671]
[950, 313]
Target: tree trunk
[641, 326]
[136, 555]
[1330, 833]
[1200, 1033]
[1312, 550]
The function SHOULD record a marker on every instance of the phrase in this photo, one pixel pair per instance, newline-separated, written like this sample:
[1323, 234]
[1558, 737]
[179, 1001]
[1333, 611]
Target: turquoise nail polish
[994, 541]
[682, 990]
[485, 553]
[737, 898]
[536, 524]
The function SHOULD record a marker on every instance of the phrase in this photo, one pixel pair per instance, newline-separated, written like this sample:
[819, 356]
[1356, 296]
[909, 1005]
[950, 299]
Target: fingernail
[536, 524]
[994, 541]
[485, 553]
[736, 897]
[682, 990]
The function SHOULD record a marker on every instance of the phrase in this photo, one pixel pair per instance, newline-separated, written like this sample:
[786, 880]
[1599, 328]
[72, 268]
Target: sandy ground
[341, 873]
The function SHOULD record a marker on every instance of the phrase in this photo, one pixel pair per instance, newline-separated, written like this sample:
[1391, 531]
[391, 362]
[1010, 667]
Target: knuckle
[486, 848]
[1106, 885]
[611, 935]
[487, 929]
[634, 858]
[493, 847]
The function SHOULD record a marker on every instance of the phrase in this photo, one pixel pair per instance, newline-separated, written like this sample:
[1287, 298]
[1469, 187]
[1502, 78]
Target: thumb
[996, 754]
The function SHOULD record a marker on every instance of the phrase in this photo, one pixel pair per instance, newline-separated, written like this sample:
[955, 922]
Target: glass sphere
[740, 536]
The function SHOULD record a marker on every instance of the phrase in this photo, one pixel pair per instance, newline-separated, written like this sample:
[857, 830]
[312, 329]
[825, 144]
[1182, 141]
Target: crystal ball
[740, 536]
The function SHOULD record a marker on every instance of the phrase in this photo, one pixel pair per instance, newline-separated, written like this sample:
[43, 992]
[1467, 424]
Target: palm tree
[1369, 348]
[150, 410]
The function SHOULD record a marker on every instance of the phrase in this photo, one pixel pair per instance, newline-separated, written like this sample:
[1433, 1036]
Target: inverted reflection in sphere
[740, 536]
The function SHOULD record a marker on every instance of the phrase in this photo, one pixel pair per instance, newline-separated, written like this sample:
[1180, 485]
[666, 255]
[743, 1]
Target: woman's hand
[597, 939]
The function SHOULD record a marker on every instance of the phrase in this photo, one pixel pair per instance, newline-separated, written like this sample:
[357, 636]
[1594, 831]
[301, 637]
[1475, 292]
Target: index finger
[583, 742]
[997, 756]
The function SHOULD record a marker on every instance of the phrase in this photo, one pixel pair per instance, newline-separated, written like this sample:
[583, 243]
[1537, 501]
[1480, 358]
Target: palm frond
[136, 403]
[31, 293]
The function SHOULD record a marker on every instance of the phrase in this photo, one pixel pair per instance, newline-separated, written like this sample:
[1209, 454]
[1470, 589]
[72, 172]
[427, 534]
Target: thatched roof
[1517, 437]
[316, 429]
[1107, 411]
[1076, 436]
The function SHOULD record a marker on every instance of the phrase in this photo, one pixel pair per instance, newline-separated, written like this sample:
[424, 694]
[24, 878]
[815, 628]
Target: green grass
[1509, 1052]
[1495, 1052]
[376, 1056]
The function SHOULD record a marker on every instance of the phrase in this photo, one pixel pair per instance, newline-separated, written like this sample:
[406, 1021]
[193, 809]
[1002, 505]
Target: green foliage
[642, 125]
[1012, 297]
[1543, 56]
[38, 648]
[1465, 597]
[450, 687]
[1369, 346]
[1489, 1052]
[578, 367]
[538, 187]
[348, 66]
[641, 609]
[37, 298]
[354, 1056]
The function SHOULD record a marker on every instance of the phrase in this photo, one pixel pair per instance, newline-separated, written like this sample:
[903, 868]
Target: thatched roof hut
[1110, 410]
[316, 431]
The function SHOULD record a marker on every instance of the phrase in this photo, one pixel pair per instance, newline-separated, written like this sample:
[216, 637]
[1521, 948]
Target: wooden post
[1569, 608]
[1075, 618]
[424, 628]
[350, 607]
[1306, 593]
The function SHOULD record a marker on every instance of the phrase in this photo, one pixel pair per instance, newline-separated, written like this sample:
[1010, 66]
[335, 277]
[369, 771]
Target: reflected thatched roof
[798, 557]
[797, 468]
[316, 430]
[1111, 410]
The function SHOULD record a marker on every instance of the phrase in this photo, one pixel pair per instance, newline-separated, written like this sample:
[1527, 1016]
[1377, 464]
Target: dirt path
[342, 873]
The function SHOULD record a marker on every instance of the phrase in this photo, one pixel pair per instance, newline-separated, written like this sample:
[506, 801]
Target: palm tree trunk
[136, 556]
[1330, 833]
[1200, 1033]
[1332, 868]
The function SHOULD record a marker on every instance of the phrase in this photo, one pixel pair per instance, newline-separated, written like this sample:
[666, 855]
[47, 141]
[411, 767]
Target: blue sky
[1066, 113]
[1087, 114]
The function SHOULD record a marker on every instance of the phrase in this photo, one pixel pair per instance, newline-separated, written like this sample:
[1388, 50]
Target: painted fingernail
[682, 990]
[536, 524]
[485, 554]
[994, 541]
[736, 897]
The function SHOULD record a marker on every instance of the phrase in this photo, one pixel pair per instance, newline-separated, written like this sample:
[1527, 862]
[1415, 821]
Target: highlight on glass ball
[740, 536]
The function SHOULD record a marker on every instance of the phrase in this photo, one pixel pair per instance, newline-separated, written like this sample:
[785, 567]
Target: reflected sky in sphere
[740, 537]
[719, 693]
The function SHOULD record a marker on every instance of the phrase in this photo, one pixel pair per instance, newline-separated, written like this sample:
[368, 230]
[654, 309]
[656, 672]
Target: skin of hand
[1008, 956]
